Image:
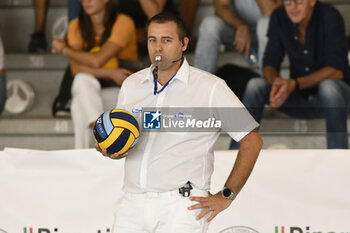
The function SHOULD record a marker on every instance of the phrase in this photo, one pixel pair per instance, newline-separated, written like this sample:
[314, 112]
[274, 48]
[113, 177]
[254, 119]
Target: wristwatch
[228, 194]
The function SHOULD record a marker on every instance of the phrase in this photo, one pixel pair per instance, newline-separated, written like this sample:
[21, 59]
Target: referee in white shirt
[167, 175]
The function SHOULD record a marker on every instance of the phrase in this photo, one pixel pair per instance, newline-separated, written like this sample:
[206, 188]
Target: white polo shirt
[165, 161]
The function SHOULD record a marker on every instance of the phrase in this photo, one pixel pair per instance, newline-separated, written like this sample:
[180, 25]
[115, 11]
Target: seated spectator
[188, 10]
[2, 78]
[312, 34]
[235, 26]
[38, 43]
[107, 34]
[142, 10]
[61, 104]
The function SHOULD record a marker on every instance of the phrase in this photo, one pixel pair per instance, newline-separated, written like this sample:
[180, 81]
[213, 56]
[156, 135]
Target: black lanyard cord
[155, 79]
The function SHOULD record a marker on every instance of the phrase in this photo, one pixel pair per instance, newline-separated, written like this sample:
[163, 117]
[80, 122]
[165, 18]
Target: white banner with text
[74, 191]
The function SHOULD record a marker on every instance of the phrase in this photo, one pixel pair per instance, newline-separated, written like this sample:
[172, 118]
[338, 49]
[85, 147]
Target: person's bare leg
[38, 40]
[188, 9]
[40, 11]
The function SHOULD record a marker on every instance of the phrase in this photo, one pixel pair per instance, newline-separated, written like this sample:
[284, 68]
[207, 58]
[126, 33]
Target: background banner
[74, 191]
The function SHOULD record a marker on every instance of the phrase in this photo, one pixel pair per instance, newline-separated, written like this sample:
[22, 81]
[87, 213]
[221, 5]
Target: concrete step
[45, 85]
[37, 142]
[277, 124]
[36, 133]
[43, 72]
[25, 61]
[17, 24]
[35, 126]
[57, 133]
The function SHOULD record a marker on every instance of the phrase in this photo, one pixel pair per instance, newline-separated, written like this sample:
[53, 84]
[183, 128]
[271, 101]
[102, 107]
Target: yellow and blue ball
[117, 131]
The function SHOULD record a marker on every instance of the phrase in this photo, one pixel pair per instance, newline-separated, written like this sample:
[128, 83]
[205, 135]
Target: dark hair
[165, 17]
[86, 27]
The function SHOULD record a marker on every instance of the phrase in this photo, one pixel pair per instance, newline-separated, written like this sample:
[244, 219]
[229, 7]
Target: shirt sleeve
[274, 51]
[235, 119]
[120, 100]
[123, 31]
[74, 36]
[335, 40]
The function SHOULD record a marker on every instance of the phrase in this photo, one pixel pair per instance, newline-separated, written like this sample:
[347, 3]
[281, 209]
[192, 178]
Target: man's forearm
[248, 153]
[188, 10]
[270, 74]
[318, 76]
[153, 7]
[225, 13]
[268, 6]
[79, 56]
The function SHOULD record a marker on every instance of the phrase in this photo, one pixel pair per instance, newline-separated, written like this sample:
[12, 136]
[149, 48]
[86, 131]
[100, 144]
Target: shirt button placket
[148, 148]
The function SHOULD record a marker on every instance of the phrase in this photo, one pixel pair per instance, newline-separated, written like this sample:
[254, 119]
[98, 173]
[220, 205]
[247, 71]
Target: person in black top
[313, 36]
[142, 10]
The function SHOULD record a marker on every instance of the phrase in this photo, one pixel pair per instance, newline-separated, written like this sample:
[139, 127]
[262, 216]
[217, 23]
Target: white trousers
[89, 101]
[158, 213]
